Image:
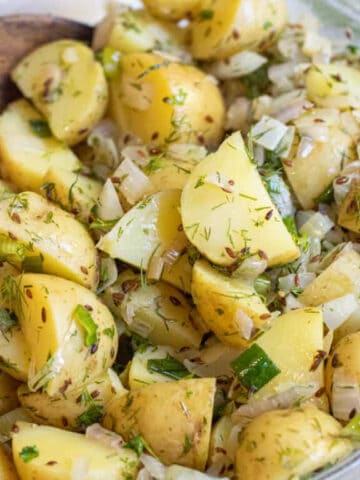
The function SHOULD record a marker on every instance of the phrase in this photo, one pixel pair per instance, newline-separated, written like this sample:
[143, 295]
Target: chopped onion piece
[285, 145]
[317, 47]
[293, 111]
[155, 267]
[134, 184]
[232, 441]
[317, 226]
[350, 124]
[345, 397]
[104, 436]
[261, 106]
[103, 140]
[137, 154]
[177, 247]
[220, 180]
[306, 146]
[337, 311]
[245, 323]
[237, 115]
[213, 361]
[144, 475]
[238, 65]
[259, 155]
[291, 303]
[155, 468]
[281, 76]
[109, 206]
[252, 267]
[187, 152]
[108, 273]
[268, 133]
[286, 100]
[296, 280]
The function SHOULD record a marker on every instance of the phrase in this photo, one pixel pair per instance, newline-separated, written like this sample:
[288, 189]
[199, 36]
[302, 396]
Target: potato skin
[7, 468]
[161, 101]
[174, 10]
[290, 443]
[225, 27]
[8, 396]
[177, 429]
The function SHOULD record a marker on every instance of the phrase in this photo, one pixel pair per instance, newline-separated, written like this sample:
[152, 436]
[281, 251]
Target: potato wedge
[168, 174]
[74, 192]
[226, 210]
[349, 213]
[75, 411]
[7, 468]
[291, 443]
[150, 228]
[174, 10]
[54, 237]
[178, 430]
[223, 28]
[28, 149]
[52, 76]
[76, 338]
[48, 453]
[8, 395]
[15, 355]
[223, 302]
[161, 101]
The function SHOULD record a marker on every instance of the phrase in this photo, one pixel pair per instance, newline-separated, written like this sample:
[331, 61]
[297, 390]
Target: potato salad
[180, 249]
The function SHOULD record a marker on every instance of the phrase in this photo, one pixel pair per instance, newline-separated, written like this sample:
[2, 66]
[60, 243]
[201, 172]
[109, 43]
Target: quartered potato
[71, 335]
[349, 213]
[15, 355]
[7, 468]
[223, 28]
[28, 148]
[73, 411]
[178, 429]
[161, 101]
[230, 307]
[67, 85]
[227, 212]
[49, 236]
[290, 443]
[174, 10]
[48, 453]
[168, 173]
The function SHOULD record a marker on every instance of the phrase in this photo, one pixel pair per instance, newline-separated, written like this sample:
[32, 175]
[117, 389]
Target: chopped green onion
[254, 368]
[262, 286]
[29, 453]
[92, 415]
[352, 429]
[40, 128]
[169, 366]
[206, 14]
[110, 61]
[137, 444]
[33, 264]
[291, 226]
[83, 318]
[327, 196]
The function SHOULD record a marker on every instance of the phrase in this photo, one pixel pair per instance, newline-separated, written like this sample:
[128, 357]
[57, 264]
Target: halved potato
[178, 429]
[28, 149]
[14, 354]
[71, 335]
[7, 468]
[8, 395]
[54, 237]
[48, 453]
[161, 101]
[224, 27]
[227, 212]
[227, 305]
[53, 77]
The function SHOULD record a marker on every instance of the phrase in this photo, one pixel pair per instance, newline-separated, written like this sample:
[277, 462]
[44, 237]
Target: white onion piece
[291, 303]
[155, 468]
[350, 124]
[108, 205]
[176, 472]
[326, 116]
[134, 184]
[317, 226]
[317, 47]
[176, 248]
[345, 397]
[281, 195]
[187, 151]
[337, 311]
[108, 272]
[285, 146]
[232, 441]
[80, 468]
[306, 146]
[155, 267]
[293, 111]
[104, 436]
[238, 65]
[285, 100]
[137, 154]
[289, 48]
[318, 132]
[261, 106]
[259, 155]
[293, 280]
[244, 322]
[268, 133]
[281, 76]
[213, 361]
[342, 184]
[251, 267]
[237, 115]
[219, 463]
[144, 475]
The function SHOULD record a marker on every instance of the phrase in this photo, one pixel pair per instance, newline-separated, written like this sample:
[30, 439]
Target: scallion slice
[85, 320]
[169, 366]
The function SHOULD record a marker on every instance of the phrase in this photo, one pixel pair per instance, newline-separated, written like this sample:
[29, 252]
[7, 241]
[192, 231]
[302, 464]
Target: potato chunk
[226, 210]
[67, 85]
[7, 468]
[48, 453]
[174, 10]
[161, 101]
[28, 149]
[178, 429]
[8, 396]
[349, 214]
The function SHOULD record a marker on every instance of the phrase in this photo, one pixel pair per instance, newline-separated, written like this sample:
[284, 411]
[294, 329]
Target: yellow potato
[168, 174]
[226, 210]
[42, 229]
[148, 228]
[26, 155]
[160, 101]
[53, 77]
[341, 277]
[222, 300]
[7, 468]
[75, 411]
[333, 86]
[15, 355]
[7, 273]
[174, 10]
[8, 395]
[178, 429]
[225, 27]
[349, 213]
[311, 175]
[74, 192]
[71, 348]
[48, 453]
[290, 443]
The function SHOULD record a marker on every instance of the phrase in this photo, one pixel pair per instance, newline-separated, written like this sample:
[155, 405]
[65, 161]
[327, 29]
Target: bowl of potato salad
[180, 243]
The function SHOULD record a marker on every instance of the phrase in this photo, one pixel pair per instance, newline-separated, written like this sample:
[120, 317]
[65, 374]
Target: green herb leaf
[169, 366]
[256, 82]
[92, 415]
[290, 224]
[206, 14]
[352, 429]
[33, 263]
[7, 320]
[188, 444]
[40, 128]
[254, 368]
[327, 196]
[85, 320]
[29, 453]
[137, 444]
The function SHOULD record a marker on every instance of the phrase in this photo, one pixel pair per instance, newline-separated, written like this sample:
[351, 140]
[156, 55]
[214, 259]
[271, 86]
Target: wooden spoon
[20, 34]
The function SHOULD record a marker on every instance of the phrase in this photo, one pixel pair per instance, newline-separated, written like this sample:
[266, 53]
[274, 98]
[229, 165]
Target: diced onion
[252, 267]
[232, 441]
[155, 468]
[281, 76]
[103, 140]
[306, 146]
[293, 111]
[291, 303]
[109, 206]
[137, 154]
[245, 323]
[285, 145]
[261, 106]
[318, 225]
[237, 115]
[345, 397]
[187, 152]
[155, 267]
[350, 124]
[268, 132]
[317, 47]
[238, 65]
[144, 475]
[337, 311]
[108, 271]
[134, 183]
[293, 280]
[104, 436]
[177, 247]
[213, 361]
[343, 183]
